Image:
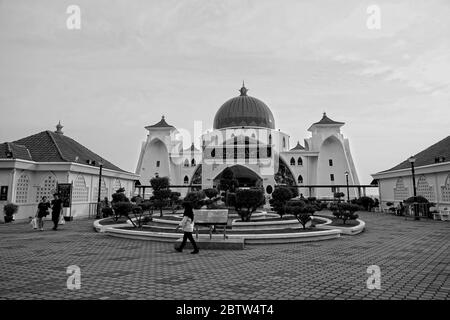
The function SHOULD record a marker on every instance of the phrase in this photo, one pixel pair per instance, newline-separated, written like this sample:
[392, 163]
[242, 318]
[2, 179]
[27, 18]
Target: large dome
[244, 111]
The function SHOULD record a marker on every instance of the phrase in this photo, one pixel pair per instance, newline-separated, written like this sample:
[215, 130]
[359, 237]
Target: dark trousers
[55, 219]
[188, 235]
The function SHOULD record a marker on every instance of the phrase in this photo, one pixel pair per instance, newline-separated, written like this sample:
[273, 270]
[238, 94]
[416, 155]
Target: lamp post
[99, 190]
[416, 211]
[348, 191]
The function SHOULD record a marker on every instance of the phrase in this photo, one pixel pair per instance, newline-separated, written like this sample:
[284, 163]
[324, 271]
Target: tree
[211, 193]
[161, 192]
[339, 195]
[302, 211]
[195, 198]
[345, 211]
[228, 183]
[247, 201]
[122, 205]
[280, 197]
[366, 202]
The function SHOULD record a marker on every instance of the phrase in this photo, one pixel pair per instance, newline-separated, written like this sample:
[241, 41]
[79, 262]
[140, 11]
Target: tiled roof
[14, 151]
[326, 120]
[48, 146]
[428, 156]
[160, 124]
[298, 147]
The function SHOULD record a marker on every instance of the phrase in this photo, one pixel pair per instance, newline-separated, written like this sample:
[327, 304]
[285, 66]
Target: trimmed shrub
[303, 212]
[280, 197]
[211, 192]
[9, 210]
[366, 202]
[345, 211]
[195, 198]
[247, 201]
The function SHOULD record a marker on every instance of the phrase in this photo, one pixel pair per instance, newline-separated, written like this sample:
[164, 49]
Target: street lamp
[416, 211]
[99, 190]
[348, 192]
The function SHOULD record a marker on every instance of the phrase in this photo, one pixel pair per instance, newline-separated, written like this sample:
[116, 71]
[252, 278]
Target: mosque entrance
[246, 177]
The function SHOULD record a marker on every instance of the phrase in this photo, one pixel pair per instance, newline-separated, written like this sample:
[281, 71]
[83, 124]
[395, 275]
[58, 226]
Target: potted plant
[9, 210]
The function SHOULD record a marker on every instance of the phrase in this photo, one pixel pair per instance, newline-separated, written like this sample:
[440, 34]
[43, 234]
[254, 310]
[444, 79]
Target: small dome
[244, 111]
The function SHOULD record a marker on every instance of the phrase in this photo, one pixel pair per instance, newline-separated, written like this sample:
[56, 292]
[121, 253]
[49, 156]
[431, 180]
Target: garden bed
[220, 231]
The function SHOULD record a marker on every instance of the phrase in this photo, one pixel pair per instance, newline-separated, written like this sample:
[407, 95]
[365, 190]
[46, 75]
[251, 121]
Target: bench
[211, 218]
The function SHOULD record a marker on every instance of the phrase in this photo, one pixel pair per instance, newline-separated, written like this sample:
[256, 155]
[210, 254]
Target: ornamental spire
[59, 128]
[243, 90]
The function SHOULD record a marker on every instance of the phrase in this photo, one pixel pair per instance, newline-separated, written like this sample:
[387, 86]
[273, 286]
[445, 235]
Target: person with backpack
[187, 225]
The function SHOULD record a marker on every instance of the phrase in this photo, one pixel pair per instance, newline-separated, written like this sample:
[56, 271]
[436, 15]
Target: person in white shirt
[187, 225]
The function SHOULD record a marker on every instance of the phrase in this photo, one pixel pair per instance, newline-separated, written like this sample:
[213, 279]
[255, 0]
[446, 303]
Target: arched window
[400, 191]
[284, 142]
[186, 180]
[292, 161]
[80, 191]
[445, 189]
[193, 162]
[300, 161]
[117, 185]
[213, 153]
[47, 188]
[424, 189]
[253, 136]
[186, 163]
[270, 139]
[300, 179]
[23, 184]
[103, 190]
[269, 152]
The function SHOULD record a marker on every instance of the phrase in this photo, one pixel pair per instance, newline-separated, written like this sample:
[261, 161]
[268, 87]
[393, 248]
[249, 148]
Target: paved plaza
[413, 257]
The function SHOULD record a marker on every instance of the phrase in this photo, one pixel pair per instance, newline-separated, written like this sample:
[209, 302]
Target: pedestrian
[56, 210]
[187, 225]
[42, 212]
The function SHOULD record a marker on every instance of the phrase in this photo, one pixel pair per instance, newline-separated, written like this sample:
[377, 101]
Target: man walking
[56, 210]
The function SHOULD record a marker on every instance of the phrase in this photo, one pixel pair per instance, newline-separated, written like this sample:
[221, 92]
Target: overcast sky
[133, 61]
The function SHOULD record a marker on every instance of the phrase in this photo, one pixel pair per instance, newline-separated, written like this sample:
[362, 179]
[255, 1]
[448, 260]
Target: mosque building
[245, 140]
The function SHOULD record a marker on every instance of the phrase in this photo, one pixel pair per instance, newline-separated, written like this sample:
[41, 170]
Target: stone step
[214, 244]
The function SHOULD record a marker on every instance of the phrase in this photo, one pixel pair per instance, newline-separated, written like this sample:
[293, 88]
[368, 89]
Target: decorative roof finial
[243, 89]
[59, 128]
[162, 117]
[324, 114]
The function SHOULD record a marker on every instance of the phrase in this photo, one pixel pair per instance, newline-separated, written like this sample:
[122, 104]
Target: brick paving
[413, 257]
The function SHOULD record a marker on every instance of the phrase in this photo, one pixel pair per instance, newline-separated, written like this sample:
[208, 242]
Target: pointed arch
[186, 163]
[117, 185]
[47, 187]
[300, 179]
[193, 162]
[445, 189]
[80, 192]
[22, 187]
[292, 161]
[103, 190]
[300, 161]
[186, 180]
[400, 191]
[424, 189]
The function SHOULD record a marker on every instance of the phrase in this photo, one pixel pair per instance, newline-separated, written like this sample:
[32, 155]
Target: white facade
[257, 151]
[432, 182]
[28, 181]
